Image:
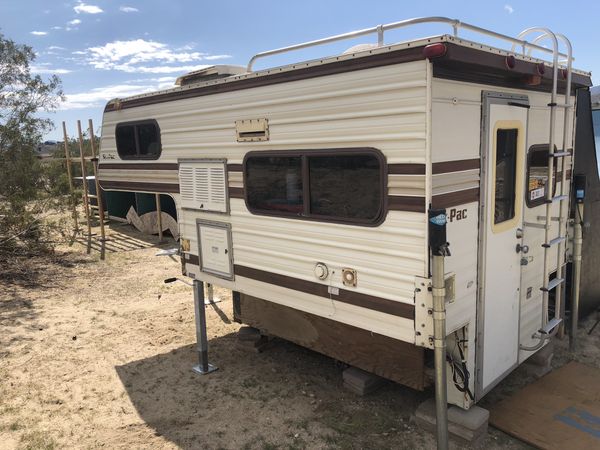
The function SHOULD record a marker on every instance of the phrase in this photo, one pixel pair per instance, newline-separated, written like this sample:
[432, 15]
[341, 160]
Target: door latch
[522, 248]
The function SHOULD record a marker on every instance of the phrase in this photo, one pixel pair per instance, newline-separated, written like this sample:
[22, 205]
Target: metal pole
[210, 292]
[159, 218]
[203, 366]
[439, 342]
[70, 175]
[577, 245]
[439, 249]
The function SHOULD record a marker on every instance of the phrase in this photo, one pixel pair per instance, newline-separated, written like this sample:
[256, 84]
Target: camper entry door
[504, 139]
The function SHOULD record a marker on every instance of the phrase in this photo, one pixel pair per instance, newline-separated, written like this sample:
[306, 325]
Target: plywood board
[559, 411]
[389, 358]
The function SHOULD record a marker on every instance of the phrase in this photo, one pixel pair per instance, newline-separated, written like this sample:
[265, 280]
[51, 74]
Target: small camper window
[505, 174]
[537, 175]
[138, 140]
[341, 186]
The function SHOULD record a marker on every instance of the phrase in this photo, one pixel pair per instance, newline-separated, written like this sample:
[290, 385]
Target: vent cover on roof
[203, 186]
[209, 73]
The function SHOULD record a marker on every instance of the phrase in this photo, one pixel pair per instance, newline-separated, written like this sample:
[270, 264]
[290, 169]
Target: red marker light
[541, 68]
[434, 50]
[510, 61]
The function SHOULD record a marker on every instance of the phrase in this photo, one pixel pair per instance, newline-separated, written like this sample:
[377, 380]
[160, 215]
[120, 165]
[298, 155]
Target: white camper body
[452, 131]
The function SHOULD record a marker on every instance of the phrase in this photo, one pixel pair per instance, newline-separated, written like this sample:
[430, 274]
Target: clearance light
[541, 68]
[510, 61]
[434, 50]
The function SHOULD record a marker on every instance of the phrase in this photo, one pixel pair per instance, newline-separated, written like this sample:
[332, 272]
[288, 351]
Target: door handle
[522, 248]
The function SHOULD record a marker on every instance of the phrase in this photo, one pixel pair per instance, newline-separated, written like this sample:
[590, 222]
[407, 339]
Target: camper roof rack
[526, 47]
[209, 73]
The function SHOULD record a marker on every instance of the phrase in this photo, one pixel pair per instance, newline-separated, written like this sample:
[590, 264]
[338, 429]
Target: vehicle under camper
[306, 190]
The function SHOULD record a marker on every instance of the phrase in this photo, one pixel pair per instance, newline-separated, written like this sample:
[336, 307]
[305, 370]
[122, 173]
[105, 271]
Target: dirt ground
[98, 354]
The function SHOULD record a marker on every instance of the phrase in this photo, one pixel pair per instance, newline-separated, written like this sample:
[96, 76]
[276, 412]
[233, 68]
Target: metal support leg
[439, 339]
[577, 244]
[439, 249]
[203, 366]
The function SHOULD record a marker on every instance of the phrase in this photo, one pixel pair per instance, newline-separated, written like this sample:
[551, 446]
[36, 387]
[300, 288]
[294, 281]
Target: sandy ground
[98, 354]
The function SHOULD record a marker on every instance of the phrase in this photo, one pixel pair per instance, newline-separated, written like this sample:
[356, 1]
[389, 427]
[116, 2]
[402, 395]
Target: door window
[507, 174]
[506, 168]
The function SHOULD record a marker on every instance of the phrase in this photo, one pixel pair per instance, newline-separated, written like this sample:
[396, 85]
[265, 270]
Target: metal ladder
[551, 326]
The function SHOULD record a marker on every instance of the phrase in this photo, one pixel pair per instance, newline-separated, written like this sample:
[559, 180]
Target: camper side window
[537, 175]
[342, 186]
[138, 140]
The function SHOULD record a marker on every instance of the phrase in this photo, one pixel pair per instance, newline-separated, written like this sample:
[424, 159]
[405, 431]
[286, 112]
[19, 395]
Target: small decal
[438, 220]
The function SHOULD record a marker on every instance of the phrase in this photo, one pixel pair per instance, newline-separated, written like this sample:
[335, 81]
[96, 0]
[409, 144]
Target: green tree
[22, 96]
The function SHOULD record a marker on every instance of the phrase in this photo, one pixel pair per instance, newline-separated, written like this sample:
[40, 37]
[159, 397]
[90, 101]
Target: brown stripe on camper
[139, 166]
[406, 169]
[192, 259]
[406, 203]
[455, 166]
[236, 192]
[455, 198]
[345, 296]
[235, 167]
[140, 186]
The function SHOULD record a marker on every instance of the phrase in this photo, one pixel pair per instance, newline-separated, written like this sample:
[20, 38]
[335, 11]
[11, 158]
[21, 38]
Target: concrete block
[542, 357]
[258, 345]
[537, 371]
[464, 426]
[248, 334]
[361, 382]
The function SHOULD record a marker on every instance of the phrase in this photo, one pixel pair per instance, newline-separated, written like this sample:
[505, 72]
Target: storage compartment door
[214, 242]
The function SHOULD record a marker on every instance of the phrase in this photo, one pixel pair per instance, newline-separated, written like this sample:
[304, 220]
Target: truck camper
[307, 190]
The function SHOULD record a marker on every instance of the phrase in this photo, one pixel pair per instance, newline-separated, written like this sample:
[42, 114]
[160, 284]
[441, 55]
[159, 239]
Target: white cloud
[39, 33]
[74, 22]
[213, 57]
[41, 68]
[509, 9]
[143, 56]
[99, 96]
[87, 9]
[161, 69]
[56, 47]
[57, 28]
[128, 9]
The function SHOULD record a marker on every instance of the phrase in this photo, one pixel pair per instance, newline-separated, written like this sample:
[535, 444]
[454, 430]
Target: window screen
[537, 175]
[506, 167]
[320, 185]
[138, 140]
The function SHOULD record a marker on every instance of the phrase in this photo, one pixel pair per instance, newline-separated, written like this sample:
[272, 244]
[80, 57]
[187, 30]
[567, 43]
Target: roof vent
[209, 73]
[360, 48]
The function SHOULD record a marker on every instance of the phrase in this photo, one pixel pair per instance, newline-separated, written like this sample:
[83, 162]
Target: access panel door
[503, 152]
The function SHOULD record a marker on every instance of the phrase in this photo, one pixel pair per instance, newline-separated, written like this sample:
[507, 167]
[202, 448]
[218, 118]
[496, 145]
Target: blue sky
[104, 49]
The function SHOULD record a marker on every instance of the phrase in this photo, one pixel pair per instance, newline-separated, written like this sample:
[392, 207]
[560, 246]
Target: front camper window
[138, 140]
[341, 186]
[505, 178]
[537, 175]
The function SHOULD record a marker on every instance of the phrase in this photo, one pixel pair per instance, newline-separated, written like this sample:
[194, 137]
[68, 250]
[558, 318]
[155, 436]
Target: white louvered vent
[202, 185]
